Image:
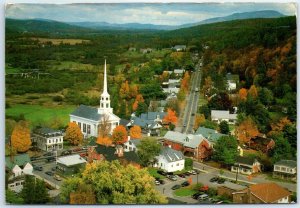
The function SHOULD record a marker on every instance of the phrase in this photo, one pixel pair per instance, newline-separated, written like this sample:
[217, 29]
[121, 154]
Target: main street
[191, 102]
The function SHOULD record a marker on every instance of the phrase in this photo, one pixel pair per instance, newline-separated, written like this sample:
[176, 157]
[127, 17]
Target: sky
[159, 14]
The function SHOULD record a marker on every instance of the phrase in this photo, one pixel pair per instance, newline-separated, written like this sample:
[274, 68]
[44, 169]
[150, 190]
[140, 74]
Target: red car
[82, 154]
[77, 149]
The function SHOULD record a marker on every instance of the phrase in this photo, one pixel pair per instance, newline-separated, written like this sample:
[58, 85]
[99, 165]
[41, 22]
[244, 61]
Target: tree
[142, 108]
[104, 127]
[243, 94]
[106, 141]
[113, 183]
[199, 119]
[247, 130]
[170, 117]
[34, 191]
[119, 135]
[20, 138]
[253, 92]
[265, 96]
[13, 198]
[279, 126]
[208, 84]
[282, 149]
[224, 128]
[220, 102]
[124, 90]
[139, 99]
[136, 132]
[225, 150]
[9, 126]
[188, 163]
[147, 150]
[84, 194]
[73, 134]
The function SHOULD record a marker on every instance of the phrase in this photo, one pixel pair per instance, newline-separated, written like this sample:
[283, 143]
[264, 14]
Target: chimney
[119, 151]
[128, 138]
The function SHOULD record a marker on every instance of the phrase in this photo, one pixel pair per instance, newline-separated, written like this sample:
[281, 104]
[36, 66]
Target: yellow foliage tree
[136, 132]
[199, 119]
[83, 195]
[106, 141]
[170, 117]
[247, 130]
[73, 134]
[253, 91]
[20, 138]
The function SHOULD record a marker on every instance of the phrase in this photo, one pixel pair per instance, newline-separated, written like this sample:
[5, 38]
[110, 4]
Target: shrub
[188, 163]
[57, 98]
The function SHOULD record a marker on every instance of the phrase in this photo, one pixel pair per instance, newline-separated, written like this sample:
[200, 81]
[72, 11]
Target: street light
[197, 176]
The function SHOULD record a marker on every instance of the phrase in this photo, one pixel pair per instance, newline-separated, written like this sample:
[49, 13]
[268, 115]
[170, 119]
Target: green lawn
[38, 114]
[153, 173]
[186, 191]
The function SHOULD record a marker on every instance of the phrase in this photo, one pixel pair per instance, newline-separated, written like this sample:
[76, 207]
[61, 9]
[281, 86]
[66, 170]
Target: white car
[157, 182]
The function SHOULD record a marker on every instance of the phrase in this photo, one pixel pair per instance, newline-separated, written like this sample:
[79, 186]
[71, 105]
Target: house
[178, 72]
[262, 143]
[171, 90]
[232, 81]
[222, 115]
[146, 50]
[157, 105]
[246, 165]
[190, 145]
[48, 139]
[179, 48]
[70, 164]
[150, 122]
[227, 191]
[285, 169]
[131, 144]
[170, 160]
[17, 167]
[174, 83]
[263, 193]
[89, 119]
[210, 134]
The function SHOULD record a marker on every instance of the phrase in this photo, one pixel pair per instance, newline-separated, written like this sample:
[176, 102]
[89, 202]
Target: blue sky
[164, 14]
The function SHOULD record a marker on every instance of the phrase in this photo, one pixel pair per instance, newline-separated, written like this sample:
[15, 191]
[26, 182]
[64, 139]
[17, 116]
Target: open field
[37, 114]
[59, 41]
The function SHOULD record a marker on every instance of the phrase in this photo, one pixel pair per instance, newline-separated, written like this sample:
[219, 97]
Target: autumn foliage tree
[74, 134]
[280, 125]
[247, 130]
[84, 194]
[243, 94]
[253, 91]
[139, 99]
[20, 137]
[119, 135]
[170, 117]
[185, 82]
[106, 141]
[136, 132]
[199, 119]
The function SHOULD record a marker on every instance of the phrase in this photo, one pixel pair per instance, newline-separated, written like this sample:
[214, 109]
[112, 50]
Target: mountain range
[47, 25]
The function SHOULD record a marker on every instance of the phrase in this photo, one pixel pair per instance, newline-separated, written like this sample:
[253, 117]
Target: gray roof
[87, 112]
[135, 141]
[171, 155]
[222, 114]
[287, 163]
[71, 160]
[210, 134]
[151, 116]
[48, 132]
[188, 140]
[233, 77]
[178, 71]
[179, 47]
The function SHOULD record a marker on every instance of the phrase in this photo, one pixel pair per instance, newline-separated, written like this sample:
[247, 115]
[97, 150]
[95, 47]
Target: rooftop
[188, 140]
[222, 114]
[171, 155]
[87, 112]
[71, 160]
[210, 134]
[245, 160]
[287, 163]
[47, 132]
[20, 160]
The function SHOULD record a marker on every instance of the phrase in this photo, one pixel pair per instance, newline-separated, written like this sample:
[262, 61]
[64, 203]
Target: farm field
[37, 114]
[58, 41]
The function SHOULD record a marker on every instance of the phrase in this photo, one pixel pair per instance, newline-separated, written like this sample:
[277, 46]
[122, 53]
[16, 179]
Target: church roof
[87, 112]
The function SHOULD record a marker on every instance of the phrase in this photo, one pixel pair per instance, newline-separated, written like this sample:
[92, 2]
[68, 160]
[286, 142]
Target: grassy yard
[202, 100]
[153, 173]
[186, 191]
[40, 114]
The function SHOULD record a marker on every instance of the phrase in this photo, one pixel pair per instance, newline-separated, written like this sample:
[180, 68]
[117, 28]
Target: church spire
[105, 97]
[105, 80]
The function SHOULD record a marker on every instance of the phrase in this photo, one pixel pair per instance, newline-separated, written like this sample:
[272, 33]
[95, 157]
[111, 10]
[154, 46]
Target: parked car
[214, 179]
[57, 177]
[66, 152]
[176, 187]
[186, 183]
[77, 149]
[221, 180]
[49, 173]
[47, 154]
[192, 172]
[202, 197]
[39, 168]
[161, 181]
[196, 195]
[162, 172]
[54, 168]
[157, 182]
[181, 175]
[171, 177]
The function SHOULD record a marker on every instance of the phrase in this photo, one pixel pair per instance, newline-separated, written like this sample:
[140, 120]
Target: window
[84, 128]
[177, 164]
[126, 146]
[56, 140]
[11, 185]
[17, 183]
[101, 105]
[106, 98]
[49, 141]
[130, 143]
[107, 105]
[130, 148]
[79, 124]
[133, 149]
[88, 129]
[277, 168]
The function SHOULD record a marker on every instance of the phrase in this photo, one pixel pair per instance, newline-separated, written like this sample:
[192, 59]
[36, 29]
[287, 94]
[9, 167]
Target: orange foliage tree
[243, 94]
[247, 130]
[253, 91]
[139, 99]
[83, 195]
[124, 90]
[74, 134]
[185, 82]
[106, 141]
[119, 135]
[136, 132]
[20, 137]
[279, 126]
[170, 117]
[199, 119]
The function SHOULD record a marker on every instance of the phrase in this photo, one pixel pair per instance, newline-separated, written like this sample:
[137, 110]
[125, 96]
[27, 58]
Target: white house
[170, 160]
[171, 90]
[89, 119]
[48, 139]
[222, 115]
[231, 85]
[179, 47]
[285, 169]
[178, 72]
[131, 144]
[17, 166]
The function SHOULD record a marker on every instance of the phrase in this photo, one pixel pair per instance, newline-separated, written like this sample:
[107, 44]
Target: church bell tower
[105, 97]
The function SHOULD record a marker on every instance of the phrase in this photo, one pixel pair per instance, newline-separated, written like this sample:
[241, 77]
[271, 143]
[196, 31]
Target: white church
[89, 118]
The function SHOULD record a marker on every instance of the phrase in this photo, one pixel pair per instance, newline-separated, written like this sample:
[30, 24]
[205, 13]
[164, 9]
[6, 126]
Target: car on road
[172, 177]
[192, 172]
[182, 175]
[66, 152]
[84, 148]
[39, 168]
[176, 187]
[214, 179]
[162, 172]
[221, 180]
[185, 183]
[184, 125]
[49, 173]
[57, 177]
[161, 181]
[47, 154]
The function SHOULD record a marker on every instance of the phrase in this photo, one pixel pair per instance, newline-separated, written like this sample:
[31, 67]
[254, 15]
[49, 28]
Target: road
[192, 102]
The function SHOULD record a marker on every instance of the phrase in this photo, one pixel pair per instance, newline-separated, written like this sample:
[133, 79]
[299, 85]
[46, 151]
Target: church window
[107, 105]
[102, 98]
[101, 105]
[79, 124]
[84, 128]
[88, 129]
[107, 98]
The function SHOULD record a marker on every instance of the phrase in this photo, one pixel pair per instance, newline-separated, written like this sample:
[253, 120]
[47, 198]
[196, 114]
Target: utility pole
[237, 173]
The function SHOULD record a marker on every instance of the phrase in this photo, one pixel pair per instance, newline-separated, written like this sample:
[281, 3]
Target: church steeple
[105, 97]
